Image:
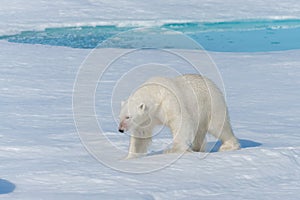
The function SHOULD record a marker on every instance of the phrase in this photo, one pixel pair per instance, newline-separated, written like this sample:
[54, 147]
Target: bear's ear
[142, 106]
[122, 103]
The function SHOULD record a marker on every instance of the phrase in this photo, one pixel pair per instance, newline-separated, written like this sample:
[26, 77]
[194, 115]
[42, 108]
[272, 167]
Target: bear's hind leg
[223, 131]
[199, 142]
[229, 141]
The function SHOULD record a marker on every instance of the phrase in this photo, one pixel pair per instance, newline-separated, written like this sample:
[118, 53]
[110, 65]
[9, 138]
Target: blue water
[232, 36]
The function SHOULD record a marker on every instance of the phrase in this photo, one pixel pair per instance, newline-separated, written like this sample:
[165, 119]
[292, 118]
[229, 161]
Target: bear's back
[184, 84]
[185, 88]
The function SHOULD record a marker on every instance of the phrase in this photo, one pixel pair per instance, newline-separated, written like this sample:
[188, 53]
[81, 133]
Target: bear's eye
[127, 117]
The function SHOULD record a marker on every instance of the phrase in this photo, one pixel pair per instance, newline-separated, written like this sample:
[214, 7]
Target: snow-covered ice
[16, 15]
[42, 156]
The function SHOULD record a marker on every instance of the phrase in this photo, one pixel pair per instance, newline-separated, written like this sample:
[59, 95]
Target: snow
[41, 152]
[42, 157]
[16, 15]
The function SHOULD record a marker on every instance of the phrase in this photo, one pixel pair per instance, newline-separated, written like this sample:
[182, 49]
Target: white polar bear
[190, 105]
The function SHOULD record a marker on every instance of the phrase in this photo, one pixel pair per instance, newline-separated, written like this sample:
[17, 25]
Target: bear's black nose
[121, 131]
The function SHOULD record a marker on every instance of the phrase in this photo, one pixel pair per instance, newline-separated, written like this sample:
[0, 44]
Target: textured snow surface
[16, 15]
[41, 153]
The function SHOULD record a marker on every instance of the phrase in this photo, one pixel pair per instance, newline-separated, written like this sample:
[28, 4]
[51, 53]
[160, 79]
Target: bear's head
[134, 115]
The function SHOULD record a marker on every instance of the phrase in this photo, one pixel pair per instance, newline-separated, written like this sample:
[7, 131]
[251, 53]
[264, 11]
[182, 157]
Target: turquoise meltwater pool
[230, 36]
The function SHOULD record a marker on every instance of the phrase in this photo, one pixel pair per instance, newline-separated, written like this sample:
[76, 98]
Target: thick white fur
[190, 105]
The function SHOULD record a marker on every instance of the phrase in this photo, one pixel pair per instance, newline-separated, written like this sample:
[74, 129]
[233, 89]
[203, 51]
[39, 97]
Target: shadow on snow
[6, 187]
[214, 146]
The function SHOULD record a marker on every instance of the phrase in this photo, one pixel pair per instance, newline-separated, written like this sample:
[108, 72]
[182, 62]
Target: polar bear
[190, 105]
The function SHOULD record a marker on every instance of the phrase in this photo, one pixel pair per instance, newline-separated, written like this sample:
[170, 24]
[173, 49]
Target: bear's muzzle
[121, 128]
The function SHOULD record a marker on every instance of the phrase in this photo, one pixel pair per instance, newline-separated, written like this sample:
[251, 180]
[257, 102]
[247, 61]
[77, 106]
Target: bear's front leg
[183, 137]
[178, 148]
[138, 146]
